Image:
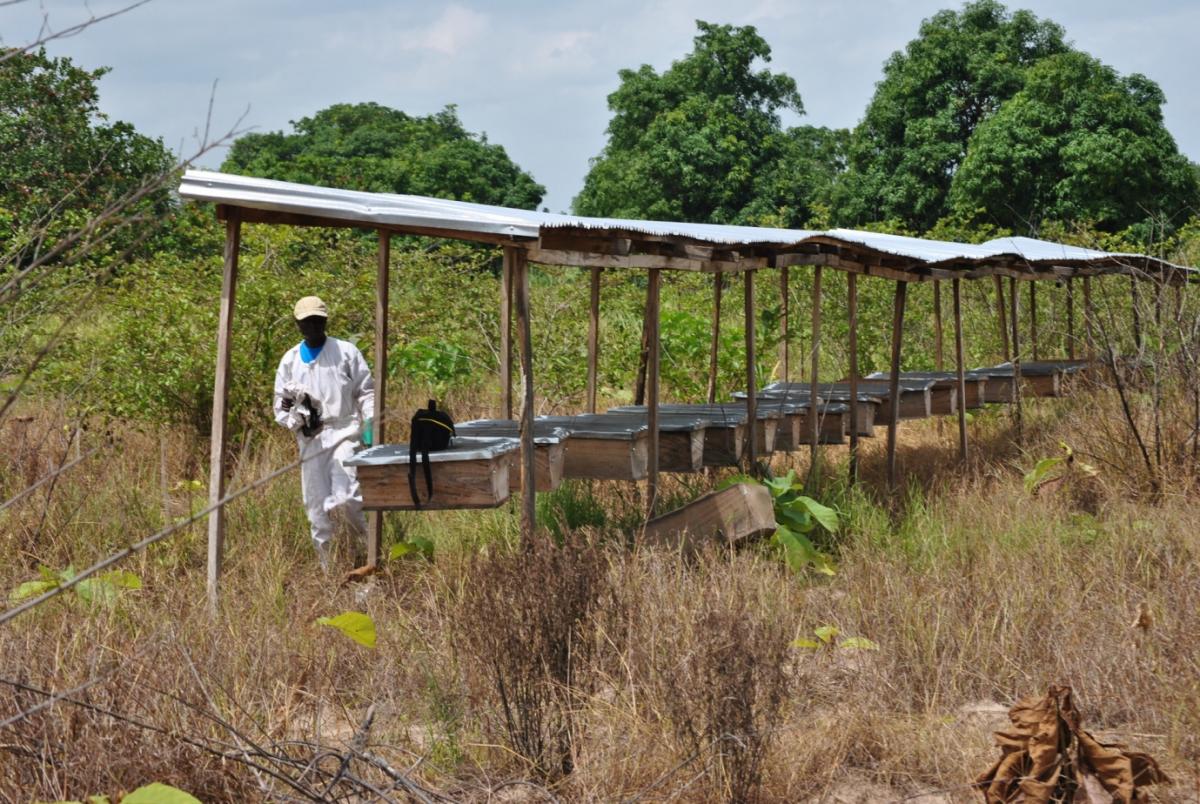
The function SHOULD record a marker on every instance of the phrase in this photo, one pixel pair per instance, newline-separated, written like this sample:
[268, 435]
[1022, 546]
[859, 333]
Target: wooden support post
[894, 381]
[652, 322]
[506, 352]
[593, 339]
[1088, 314]
[1014, 298]
[525, 343]
[938, 359]
[814, 419]
[852, 308]
[1135, 305]
[1001, 314]
[714, 344]
[1070, 318]
[960, 370]
[1033, 329]
[375, 526]
[751, 379]
[784, 373]
[216, 475]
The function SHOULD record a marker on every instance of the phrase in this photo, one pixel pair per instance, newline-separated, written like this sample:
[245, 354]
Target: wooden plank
[606, 458]
[1033, 327]
[584, 259]
[855, 409]
[894, 381]
[785, 373]
[734, 514]
[219, 443]
[715, 343]
[481, 483]
[382, 286]
[506, 350]
[652, 453]
[277, 218]
[1016, 353]
[937, 326]
[593, 339]
[960, 372]
[751, 382]
[814, 434]
[1002, 316]
[528, 457]
[548, 458]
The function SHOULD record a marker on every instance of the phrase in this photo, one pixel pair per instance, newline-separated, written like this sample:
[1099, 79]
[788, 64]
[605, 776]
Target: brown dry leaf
[1046, 757]
[359, 574]
[1144, 620]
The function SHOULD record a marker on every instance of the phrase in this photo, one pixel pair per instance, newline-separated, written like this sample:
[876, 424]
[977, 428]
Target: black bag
[431, 431]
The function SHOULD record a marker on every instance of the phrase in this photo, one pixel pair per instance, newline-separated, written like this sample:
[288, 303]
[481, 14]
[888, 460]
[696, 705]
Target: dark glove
[313, 425]
[286, 403]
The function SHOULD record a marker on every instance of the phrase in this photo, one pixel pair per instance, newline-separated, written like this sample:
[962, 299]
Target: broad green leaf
[158, 793]
[781, 485]
[826, 633]
[796, 518]
[97, 590]
[734, 480]
[1040, 471]
[822, 513]
[860, 643]
[353, 624]
[123, 579]
[32, 589]
[805, 643]
[798, 551]
[418, 547]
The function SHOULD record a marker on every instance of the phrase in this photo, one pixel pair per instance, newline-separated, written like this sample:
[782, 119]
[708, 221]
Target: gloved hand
[368, 432]
[313, 426]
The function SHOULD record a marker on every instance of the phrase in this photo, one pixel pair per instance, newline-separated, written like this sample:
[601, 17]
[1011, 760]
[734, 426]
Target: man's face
[312, 328]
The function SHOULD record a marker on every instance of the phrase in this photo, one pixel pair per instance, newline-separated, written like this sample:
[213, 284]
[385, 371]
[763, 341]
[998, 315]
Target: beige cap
[310, 306]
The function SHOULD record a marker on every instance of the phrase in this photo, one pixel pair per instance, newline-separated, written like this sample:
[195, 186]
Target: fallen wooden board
[734, 514]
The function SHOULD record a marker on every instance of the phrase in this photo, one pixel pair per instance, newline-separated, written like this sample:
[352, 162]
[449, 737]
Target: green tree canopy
[1077, 143]
[933, 95]
[367, 146]
[703, 141]
[61, 161]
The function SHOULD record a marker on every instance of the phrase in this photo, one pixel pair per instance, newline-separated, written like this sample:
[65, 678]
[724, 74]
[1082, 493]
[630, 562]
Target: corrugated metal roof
[394, 210]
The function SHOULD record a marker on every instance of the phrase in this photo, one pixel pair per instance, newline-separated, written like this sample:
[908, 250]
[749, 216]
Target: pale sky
[532, 74]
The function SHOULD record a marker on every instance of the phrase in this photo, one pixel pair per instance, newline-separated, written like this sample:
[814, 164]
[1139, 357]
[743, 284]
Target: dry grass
[976, 592]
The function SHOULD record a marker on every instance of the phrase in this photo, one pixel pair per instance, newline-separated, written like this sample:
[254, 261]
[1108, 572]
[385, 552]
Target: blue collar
[308, 354]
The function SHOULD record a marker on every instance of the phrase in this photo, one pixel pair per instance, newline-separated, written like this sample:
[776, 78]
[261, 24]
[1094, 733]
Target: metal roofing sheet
[391, 209]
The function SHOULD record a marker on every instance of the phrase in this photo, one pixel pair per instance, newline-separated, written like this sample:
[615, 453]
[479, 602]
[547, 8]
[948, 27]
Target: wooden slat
[814, 467]
[960, 370]
[549, 459]
[276, 218]
[784, 374]
[1014, 299]
[852, 308]
[937, 326]
[894, 381]
[525, 342]
[1002, 316]
[652, 322]
[583, 259]
[751, 381]
[593, 339]
[715, 343]
[216, 476]
[506, 350]
[1033, 326]
[375, 527]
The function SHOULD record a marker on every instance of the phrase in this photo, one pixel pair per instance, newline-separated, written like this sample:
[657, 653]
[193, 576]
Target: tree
[370, 147]
[61, 161]
[703, 140]
[1077, 143]
[933, 95]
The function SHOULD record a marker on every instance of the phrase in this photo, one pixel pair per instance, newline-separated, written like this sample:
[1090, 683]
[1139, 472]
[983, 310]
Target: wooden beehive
[471, 473]
[549, 449]
[734, 514]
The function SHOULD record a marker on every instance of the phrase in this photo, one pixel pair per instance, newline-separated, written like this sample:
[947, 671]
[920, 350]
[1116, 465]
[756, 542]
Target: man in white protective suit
[324, 393]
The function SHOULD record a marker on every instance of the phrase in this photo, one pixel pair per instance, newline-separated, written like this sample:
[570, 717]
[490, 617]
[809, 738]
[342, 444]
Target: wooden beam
[583, 259]
[219, 443]
[852, 308]
[652, 320]
[593, 339]
[1014, 298]
[525, 344]
[937, 326]
[375, 527]
[960, 370]
[785, 374]
[1070, 319]
[1033, 327]
[1002, 316]
[715, 343]
[506, 350]
[814, 418]
[275, 218]
[751, 380]
[894, 381]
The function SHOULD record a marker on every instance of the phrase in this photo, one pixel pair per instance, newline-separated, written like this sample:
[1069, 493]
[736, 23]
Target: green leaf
[353, 624]
[158, 793]
[32, 589]
[822, 513]
[418, 547]
[860, 643]
[826, 633]
[123, 579]
[1039, 473]
[734, 480]
[812, 644]
[781, 485]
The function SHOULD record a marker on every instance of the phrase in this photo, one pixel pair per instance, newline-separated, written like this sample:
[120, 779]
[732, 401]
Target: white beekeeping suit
[339, 382]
